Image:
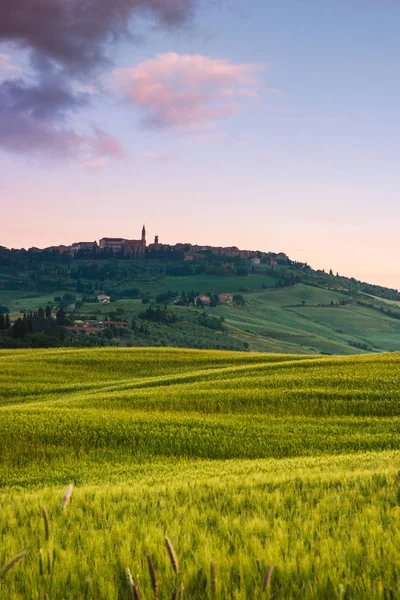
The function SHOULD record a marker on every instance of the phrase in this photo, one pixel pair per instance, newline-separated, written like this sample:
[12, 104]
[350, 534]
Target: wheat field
[242, 460]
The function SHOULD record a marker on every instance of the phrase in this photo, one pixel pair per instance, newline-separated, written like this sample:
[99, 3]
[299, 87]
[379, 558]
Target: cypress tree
[19, 328]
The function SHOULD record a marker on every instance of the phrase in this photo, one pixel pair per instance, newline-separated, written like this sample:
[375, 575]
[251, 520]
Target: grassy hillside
[311, 320]
[243, 459]
[288, 307]
[297, 320]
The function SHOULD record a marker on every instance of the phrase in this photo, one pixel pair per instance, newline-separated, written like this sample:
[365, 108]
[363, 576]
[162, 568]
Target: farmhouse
[225, 298]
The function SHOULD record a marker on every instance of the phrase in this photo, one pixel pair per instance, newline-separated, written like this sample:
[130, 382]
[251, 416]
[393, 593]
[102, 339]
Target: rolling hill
[244, 460]
[286, 308]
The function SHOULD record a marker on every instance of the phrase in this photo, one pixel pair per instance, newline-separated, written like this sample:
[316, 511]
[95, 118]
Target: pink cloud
[100, 147]
[185, 92]
[105, 144]
[6, 64]
[90, 163]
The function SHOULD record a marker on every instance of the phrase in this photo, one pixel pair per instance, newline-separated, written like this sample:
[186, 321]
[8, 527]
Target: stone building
[130, 248]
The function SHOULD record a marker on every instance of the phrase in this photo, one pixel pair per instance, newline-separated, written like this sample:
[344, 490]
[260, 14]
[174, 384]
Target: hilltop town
[119, 291]
[136, 249]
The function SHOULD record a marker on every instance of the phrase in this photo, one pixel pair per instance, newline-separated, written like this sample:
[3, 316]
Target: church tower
[144, 235]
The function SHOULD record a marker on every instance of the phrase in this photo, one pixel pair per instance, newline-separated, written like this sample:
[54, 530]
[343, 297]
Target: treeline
[48, 271]
[194, 299]
[36, 329]
[394, 314]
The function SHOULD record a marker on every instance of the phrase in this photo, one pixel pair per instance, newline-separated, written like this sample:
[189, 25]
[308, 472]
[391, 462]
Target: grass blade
[132, 585]
[177, 593]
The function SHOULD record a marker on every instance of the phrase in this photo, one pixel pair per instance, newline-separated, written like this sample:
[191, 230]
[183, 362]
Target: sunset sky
[265, 124]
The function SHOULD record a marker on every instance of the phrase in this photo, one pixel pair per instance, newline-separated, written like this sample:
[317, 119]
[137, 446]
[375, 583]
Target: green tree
[238, 299]
[18, 330]
[61, 317]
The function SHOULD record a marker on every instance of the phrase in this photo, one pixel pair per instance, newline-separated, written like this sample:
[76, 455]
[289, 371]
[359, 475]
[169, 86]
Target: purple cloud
[33, 117]
[66, 40]
[73, 33]
[48, 98]
[6, 63]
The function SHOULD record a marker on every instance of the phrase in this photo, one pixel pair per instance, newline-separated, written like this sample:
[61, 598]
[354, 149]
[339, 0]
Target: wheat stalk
[276, 594]
[49, 563]
[213, 576]
[67, 495]
[13, 562]
[153, 576]
[267, 578]
[132, 585]
[41, 568]
[172, 556]
[178, 591]
[87, 588]
[46, 524]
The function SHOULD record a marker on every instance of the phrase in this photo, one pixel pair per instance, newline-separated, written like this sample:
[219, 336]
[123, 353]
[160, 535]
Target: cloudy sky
[266, 124]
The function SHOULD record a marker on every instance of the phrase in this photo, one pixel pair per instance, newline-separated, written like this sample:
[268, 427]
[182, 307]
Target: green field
[19, 302]
[302, 320]
[212, 283]
[286, 309]
[295, 320]
[243, 459]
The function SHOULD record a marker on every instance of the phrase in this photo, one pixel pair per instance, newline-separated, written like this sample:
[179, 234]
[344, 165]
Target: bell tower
[144, 235]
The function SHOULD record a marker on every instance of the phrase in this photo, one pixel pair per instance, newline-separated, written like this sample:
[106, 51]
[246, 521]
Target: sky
[270, 125]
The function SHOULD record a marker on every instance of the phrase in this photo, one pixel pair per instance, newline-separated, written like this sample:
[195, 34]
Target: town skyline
[288, 142]
[134, 248]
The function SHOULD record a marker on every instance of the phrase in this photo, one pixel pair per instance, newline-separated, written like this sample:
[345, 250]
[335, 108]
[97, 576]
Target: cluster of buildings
[92, 326]
[137, 249]
[129, 248]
